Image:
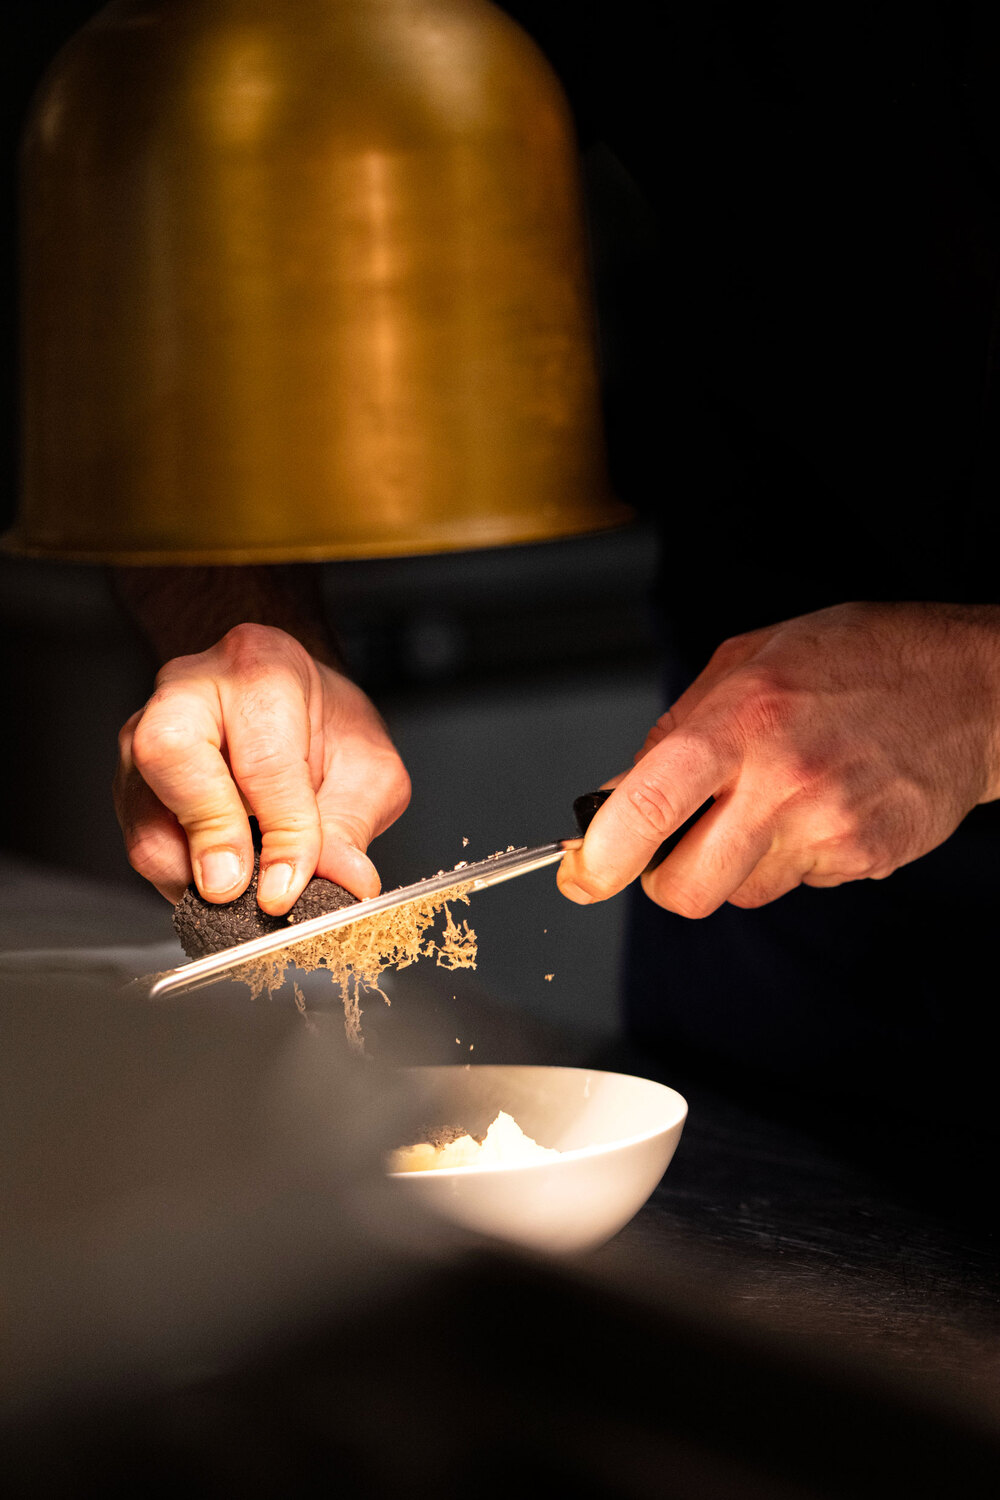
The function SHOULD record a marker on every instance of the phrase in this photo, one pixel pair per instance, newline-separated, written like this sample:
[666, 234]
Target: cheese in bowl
[573, 1153]
[504, 1145]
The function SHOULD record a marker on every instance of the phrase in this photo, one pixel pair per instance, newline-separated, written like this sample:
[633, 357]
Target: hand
[256, 723]
[838, 746]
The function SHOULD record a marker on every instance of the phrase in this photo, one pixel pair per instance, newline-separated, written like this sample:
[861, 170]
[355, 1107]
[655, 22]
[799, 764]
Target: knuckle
[298, 827]
[805, 778]
[748, 900]
[864, 858]
[733, 648]
[247, 637]
[386, 795]
[127, 730]
[688, 897]
[600, 886]
[160, 738]
[401, 792]
[842, 832]
[848, 848]
[248, 646]
[118, 794]
[268, 757]
[208, 825]
[761, 889]
[651, 813]
[655, 736]
[281, 796]
[694, 905]
[766, 707]
[395, 782]
[145, 853]
[354, 830]
[127, 793]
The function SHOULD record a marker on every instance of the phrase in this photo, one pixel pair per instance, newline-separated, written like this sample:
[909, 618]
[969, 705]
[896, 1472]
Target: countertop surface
[893, 1263]
[844, 1273]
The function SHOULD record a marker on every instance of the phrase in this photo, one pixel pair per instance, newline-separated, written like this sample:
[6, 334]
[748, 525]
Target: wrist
[965, 671]
[985, 629]
[183, 611]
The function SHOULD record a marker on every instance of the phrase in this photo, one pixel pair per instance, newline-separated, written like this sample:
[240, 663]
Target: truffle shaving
[357, 955]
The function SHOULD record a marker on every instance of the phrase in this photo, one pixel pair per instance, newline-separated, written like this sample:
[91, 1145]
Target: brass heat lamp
[304, 279]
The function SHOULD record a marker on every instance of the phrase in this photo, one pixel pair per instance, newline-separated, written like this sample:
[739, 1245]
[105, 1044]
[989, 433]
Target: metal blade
[474, 877]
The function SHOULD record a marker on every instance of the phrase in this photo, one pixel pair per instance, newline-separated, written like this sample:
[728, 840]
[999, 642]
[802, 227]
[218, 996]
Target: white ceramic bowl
[618, 1134]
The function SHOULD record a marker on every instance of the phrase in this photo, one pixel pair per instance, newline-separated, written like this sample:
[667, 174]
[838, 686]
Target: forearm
[978, 628]
[180, 611]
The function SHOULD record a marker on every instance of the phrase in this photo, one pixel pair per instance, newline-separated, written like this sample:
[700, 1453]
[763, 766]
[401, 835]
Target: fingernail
[275, 881]
[576, 893]
[219, 871]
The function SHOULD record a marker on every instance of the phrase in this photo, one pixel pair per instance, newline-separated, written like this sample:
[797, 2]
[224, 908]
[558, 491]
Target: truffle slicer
[466, 877]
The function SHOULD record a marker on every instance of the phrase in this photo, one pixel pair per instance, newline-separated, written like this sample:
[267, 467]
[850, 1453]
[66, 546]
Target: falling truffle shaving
[355, 955]
[358, 954]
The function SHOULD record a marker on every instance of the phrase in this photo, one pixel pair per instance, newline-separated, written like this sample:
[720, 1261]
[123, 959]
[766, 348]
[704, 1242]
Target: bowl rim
[575, 1153]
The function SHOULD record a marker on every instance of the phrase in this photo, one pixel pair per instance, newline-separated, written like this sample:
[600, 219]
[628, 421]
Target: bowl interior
[571, 1109]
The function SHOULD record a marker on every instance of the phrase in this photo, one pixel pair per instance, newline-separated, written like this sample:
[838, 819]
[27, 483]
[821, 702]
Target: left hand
[255, 724]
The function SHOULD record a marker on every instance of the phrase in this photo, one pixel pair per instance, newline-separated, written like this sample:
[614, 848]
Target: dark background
[512, 681]
[804, 369]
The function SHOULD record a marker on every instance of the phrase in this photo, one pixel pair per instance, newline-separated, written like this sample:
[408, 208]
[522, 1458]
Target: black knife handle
[586, 806]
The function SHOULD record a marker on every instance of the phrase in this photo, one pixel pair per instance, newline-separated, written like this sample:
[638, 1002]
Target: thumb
[360, 798]
[342, 855]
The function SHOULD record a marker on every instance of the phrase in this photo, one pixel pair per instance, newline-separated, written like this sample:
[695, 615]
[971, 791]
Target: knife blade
[469, 877]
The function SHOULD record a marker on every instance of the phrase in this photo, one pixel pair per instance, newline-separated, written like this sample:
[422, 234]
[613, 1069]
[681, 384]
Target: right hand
[256, 725]
[837, 746]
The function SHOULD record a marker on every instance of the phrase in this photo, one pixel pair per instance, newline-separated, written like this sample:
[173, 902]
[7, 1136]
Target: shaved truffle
[437, 1136]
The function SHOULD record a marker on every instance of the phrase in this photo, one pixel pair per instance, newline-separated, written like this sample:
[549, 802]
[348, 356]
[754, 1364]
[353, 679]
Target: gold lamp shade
[304, 280]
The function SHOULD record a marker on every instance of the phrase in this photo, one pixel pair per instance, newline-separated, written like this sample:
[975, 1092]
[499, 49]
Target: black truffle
[205, 927]
[319, 897]
[437, 1136]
